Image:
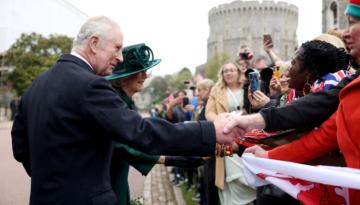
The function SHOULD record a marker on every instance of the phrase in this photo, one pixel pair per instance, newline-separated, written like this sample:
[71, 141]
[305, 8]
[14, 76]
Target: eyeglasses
[229, 70]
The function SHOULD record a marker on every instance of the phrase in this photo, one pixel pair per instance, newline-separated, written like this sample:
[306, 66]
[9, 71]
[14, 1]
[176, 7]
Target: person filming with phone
[225, 97]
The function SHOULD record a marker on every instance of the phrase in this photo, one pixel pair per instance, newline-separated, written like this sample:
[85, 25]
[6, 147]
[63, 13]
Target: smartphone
[267, 37]
[185, 101]
[254, 81]
[276, 72]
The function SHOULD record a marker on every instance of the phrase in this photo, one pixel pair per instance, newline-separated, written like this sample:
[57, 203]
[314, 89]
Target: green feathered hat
[137, 58]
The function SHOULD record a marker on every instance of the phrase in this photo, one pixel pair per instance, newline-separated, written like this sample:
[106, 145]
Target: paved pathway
[14, 182]
[158, 189]
[136, 183]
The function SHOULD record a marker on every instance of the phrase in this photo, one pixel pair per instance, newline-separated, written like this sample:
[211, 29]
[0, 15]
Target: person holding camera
[340, 130]
[227, 96]
[178, 111]
[245, 57]
[264, 73]
[279, 91]
[268, 47]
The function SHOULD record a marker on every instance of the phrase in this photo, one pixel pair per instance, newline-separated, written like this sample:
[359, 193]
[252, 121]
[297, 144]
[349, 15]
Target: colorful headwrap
[353, 8]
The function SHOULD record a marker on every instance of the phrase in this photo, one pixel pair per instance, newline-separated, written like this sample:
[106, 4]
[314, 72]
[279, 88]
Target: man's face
[260, 64]
[202, 93]
[352, 37]
[109, 53]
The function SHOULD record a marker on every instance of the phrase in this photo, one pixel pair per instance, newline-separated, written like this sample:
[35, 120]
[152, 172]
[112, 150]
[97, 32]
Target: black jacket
[63, 131]
[308, 112]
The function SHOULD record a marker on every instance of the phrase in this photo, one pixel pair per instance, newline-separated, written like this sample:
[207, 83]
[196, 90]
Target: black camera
[244, 56]
[185, 101]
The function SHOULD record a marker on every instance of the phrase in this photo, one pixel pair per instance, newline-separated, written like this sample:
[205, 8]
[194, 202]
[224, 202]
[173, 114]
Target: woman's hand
[257, 151]
[274, 86]
[258, 99]
[268, 45]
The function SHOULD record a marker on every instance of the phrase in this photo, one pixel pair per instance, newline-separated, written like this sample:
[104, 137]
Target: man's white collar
[79, 56]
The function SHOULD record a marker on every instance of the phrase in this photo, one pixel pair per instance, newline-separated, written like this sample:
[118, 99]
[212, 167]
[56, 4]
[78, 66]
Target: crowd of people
[77, 131]
[317, 65]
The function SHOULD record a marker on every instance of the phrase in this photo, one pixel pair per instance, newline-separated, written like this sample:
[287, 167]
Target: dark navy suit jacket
[63, 132]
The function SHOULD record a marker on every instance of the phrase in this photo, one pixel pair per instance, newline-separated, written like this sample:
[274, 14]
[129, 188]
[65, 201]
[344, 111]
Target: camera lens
[244, 56]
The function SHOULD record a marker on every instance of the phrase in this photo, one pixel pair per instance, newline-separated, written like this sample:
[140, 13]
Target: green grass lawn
[188, 195]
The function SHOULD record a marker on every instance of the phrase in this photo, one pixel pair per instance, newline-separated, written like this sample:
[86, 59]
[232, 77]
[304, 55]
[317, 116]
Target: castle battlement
[244, 22]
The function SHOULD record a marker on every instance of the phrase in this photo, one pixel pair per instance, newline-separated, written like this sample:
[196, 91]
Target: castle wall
[328, 22]
[244, 22]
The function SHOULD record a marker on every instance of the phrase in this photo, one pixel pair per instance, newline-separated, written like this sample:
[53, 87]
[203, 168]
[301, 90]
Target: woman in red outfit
[341, 130]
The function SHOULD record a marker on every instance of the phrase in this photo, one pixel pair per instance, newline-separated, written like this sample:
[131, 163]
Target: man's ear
[94, 43]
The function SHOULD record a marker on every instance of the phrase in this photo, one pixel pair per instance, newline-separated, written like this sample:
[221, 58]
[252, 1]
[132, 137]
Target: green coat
[124, 156]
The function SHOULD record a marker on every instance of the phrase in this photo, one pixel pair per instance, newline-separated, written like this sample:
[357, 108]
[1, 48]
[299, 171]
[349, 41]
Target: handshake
[230, 125]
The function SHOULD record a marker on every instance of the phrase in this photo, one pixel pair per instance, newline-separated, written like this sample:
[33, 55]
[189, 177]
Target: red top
[341, 130]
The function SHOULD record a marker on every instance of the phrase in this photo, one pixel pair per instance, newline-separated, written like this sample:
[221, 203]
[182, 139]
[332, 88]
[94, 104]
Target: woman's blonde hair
[221, 82]
[205, 84]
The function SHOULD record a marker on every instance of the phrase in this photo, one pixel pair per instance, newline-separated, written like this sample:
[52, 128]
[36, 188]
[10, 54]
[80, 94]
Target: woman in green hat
[128, 78]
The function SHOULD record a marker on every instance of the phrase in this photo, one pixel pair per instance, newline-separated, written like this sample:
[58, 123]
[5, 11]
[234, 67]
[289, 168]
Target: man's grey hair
[99, 25]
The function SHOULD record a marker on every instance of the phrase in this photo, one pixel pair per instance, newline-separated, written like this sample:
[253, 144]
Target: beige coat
[216, 104]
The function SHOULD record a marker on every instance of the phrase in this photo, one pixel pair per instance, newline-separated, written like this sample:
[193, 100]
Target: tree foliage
[33, 54]
[213, 66]
[158, 87]
[177, 81]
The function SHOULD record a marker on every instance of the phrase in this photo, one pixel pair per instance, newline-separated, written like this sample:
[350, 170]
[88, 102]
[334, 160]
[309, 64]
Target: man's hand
[240, 124]
[257, 151]
[219, 123]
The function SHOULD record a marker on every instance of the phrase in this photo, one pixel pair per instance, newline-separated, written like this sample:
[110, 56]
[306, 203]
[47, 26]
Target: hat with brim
[353, 8]
[137, 58]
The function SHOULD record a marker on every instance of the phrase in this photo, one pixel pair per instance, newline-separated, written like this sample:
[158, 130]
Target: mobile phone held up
[254, 81]
[276, 72]
[267, 37]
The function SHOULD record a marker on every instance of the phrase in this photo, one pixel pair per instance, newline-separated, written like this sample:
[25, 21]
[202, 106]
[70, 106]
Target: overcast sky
[177, 30]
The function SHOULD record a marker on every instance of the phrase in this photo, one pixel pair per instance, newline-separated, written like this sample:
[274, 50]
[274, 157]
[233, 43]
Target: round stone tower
[244, 23]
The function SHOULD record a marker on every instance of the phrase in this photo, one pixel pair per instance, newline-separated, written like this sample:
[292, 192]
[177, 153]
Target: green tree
[33, 54]
[177, 82]
[213, 66]
[158, 87]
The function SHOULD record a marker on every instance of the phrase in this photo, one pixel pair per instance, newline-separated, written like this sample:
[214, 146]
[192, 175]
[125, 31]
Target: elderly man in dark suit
[69, 116]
